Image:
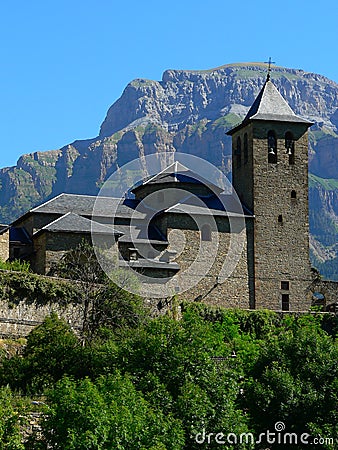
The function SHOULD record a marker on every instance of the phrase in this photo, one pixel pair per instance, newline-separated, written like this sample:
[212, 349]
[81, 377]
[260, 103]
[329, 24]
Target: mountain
[190, 111]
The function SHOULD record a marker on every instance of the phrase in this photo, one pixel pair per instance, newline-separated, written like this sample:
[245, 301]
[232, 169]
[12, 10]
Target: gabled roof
[177, 173]
[270, 106]
[73, 223]
[87, 205]
[224, 205]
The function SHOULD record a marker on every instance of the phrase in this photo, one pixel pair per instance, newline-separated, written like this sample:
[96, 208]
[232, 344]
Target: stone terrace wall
[18, 316]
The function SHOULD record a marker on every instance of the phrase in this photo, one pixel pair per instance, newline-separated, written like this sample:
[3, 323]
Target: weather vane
[269, 68]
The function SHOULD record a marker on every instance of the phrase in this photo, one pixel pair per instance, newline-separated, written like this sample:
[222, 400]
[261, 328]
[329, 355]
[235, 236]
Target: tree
[109, 413]
[10, 422]
[52, 350]
[103, 302]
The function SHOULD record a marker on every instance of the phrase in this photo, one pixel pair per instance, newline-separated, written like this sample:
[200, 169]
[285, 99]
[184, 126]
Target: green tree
[10, 422]
[103, 303]
[295, 381]
[110, 413]
[52, 350]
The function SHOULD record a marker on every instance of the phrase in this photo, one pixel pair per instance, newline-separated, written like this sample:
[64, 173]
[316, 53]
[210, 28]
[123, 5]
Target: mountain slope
[189, 111]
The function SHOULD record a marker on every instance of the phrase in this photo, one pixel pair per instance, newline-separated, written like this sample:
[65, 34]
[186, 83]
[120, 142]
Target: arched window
[245, 148]
[206, 232]
[290, 147]
[272, 147]
[238, 152]
[293, 194]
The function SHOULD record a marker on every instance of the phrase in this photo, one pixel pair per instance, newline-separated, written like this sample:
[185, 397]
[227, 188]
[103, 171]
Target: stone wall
[329, 291]
[50, 247]
[281, 229]
[216, 271]
[18, 319]
[4, 246]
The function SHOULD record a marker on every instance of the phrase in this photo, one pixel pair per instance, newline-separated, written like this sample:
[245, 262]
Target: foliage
[31, 288]
[158, 384]
[52, 350]
[107, 414]
[10, 422]
[103, 302]
[15, 265]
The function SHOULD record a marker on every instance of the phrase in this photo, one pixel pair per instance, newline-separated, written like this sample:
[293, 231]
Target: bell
[289, 151]
[271, 151]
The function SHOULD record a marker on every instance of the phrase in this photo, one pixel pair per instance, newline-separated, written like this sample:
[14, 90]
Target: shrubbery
[158, 384]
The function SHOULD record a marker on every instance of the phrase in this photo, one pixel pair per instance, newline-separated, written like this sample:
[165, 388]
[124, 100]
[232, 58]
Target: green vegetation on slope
[166, 383]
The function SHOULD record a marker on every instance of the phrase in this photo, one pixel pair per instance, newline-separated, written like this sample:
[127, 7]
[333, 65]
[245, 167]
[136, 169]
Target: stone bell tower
[270, 176]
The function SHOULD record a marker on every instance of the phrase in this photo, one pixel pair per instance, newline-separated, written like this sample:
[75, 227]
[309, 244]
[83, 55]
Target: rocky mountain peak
[187, 111]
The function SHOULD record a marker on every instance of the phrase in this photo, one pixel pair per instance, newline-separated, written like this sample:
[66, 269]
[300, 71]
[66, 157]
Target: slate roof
[177, 173]
[138, 234]
[73, 223]
[84, 205]
[224, 205]
[270, 105]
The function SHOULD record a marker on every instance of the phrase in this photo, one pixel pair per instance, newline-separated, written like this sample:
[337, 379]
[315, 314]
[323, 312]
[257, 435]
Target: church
[184, 235]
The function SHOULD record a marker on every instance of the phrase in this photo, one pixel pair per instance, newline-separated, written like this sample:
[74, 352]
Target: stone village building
[269, 226]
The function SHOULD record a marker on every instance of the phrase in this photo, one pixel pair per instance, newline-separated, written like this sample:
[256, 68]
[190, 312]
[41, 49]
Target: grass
[228, 121]
[329, 184]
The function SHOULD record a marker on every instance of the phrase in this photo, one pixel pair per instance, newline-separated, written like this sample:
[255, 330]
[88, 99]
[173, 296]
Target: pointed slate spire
[270, 106]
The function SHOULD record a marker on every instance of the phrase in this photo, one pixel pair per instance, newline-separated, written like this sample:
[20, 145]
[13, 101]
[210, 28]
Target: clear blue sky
[65, 62]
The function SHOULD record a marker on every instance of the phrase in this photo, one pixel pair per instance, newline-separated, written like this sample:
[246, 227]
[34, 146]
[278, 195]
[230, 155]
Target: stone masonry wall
[4, 246]
[281, 229]
[209, 270]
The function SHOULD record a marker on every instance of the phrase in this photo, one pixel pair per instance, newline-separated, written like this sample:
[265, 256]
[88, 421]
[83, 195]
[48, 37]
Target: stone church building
[185, 235]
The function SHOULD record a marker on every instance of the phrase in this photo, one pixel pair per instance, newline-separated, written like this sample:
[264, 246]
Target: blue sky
[65, 62]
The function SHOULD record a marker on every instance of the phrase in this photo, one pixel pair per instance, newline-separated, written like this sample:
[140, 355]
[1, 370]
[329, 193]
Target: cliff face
[187, 111]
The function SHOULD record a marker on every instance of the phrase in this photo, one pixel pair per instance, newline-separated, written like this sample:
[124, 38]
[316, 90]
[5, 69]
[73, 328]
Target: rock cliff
[188, 111]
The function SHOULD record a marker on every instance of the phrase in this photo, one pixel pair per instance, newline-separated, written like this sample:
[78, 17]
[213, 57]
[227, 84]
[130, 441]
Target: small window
[206, 232]
[285, 285]
[293, 194]
[285, 302]
[290, 147]
[272, 147]
[245, 148]
[280, 218]
[238, 152]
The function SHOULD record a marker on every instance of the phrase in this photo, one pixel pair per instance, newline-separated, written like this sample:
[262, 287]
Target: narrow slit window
[245, 148]
[285, 302]
[293, 194]
[280, 218]
[238, 152]
[272, 147]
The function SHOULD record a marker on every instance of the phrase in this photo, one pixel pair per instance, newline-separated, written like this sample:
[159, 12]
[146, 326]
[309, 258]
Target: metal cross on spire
[269, 68]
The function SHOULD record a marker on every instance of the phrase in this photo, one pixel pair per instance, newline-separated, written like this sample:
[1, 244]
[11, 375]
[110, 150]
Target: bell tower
[270, 176]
